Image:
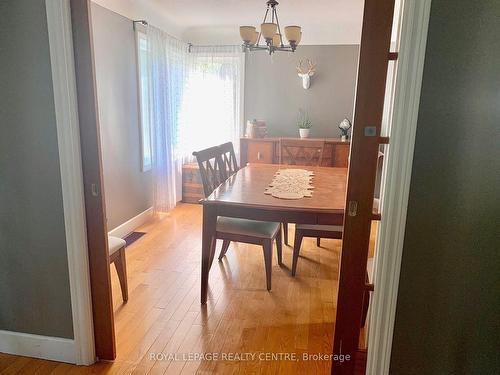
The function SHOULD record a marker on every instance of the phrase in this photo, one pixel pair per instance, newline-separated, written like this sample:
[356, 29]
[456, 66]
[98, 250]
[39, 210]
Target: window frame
[144, 131]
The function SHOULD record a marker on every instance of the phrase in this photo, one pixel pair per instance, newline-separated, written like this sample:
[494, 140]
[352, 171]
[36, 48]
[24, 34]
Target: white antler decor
[306, 73]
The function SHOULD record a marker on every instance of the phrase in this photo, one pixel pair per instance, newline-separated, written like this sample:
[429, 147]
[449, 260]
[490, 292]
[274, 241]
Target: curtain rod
[190, 45]
[142, 22]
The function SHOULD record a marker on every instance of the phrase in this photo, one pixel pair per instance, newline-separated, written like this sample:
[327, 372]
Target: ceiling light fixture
[271, 32]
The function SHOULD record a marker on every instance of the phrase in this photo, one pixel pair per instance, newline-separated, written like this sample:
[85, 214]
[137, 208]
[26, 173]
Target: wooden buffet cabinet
[267, 151]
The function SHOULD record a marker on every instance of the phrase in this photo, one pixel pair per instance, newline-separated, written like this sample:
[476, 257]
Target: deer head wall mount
[306, 72]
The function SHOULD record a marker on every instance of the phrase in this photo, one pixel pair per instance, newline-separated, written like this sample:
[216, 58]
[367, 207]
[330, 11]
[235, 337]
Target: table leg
[207, 247]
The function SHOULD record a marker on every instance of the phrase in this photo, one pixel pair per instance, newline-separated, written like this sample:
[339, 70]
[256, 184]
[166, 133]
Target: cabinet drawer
[341, 156]
[261, 152]
[192, 187]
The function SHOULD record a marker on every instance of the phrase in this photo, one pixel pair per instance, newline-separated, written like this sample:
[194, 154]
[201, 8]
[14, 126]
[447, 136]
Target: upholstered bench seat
[116, 248]
[115, 244]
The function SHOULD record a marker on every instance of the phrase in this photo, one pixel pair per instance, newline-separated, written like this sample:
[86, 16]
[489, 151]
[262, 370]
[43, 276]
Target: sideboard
[267, 151]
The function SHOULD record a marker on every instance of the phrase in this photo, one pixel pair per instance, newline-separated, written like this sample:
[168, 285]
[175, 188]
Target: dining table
[242, 196]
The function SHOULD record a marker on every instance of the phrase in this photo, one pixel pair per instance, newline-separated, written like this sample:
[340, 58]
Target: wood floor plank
[163, 316]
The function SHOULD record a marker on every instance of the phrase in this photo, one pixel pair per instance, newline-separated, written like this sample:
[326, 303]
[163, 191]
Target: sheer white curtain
[195, 101]
[166, 71]
[211, 111]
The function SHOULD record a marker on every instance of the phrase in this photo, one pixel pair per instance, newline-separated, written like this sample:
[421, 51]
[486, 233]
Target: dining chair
[209, 163]
[228, 158]
[263, 233]
[318, 231]
[116, 248]
[333, 232]
[300, 152]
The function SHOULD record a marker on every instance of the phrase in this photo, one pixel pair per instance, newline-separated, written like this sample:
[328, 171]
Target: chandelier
[271, 32]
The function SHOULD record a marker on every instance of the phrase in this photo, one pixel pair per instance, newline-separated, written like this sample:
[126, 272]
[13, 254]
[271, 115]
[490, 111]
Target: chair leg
[297, 242]
[267, 247]
[318, 242]
[279, 247]
[121, 269]
[366, 302]
[285, 232]
[225, 246]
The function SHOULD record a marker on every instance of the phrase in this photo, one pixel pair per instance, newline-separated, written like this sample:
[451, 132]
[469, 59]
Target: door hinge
[393, 56]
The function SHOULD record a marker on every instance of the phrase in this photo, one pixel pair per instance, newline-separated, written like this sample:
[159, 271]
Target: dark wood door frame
[369, 104]
[100, 280]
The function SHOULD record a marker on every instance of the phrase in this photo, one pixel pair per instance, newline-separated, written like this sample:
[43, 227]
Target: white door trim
[399, 160]
[68, 137]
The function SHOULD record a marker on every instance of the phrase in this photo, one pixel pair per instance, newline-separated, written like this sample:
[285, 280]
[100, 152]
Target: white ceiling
[217, 21]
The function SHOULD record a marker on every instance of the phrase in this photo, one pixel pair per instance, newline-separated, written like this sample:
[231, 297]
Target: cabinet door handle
[259, 156]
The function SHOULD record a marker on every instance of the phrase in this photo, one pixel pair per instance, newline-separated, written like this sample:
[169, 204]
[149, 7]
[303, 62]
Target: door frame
[70, 163]
[77, 122]
[93, 186]
[397, 176]
[366, 138]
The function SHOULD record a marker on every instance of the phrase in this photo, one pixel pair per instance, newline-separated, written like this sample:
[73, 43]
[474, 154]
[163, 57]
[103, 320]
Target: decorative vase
[344, 127]
[304, 133]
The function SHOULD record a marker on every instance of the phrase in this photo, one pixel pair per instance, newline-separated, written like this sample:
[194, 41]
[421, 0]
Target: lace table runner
[291, 184]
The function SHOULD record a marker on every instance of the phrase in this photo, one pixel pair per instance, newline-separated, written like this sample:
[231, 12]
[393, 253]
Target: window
[144, 99]
[210, 112]
[190, 101]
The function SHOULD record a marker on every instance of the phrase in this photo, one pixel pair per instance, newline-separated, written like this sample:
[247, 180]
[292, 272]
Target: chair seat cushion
[245, 227]
[115, 244]
[330, 228]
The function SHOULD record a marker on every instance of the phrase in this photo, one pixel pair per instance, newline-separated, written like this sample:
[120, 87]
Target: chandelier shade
[255, 38]
[247, 33]
[276, 40]
[268, 30]
[271, 33]
[293, 34]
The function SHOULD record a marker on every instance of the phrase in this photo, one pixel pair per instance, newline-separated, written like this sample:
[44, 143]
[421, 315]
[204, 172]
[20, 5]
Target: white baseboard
[129, 226]
[45, 347]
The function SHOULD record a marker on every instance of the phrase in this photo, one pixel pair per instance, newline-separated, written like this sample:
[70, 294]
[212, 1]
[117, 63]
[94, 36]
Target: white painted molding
[53, 348]
[129, 226]
[397, 176]
[68, 137]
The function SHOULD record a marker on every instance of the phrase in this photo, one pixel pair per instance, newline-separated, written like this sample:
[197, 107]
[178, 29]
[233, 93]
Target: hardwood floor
[163, 315]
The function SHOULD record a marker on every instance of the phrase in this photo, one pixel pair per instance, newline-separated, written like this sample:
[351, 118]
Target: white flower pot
[304, 133]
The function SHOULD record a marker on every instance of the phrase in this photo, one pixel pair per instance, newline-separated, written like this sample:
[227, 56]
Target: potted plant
[304, 124]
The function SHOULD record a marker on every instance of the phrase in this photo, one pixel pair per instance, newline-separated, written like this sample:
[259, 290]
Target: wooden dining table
[242, 196]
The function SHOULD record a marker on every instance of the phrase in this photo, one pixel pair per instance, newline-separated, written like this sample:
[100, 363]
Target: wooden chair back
[301, 151]
[228, 158]
[211, 171]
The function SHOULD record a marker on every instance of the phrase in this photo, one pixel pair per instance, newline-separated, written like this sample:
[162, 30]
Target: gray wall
[274, 93]
[34, 282]
[127, 189]
[447, 319]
